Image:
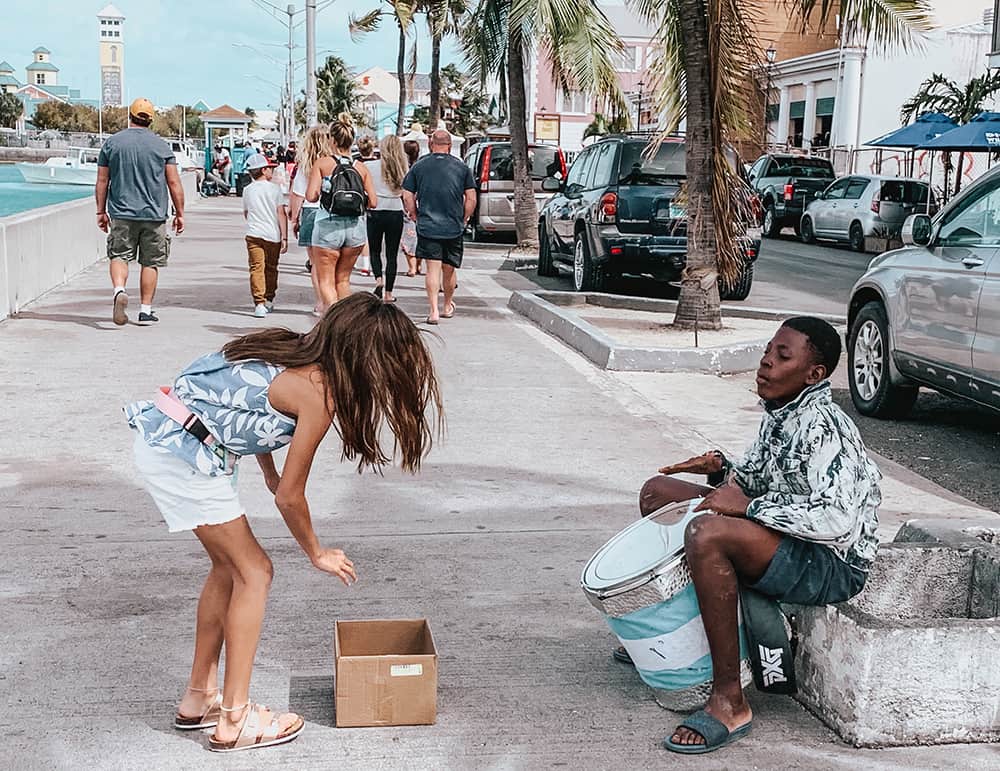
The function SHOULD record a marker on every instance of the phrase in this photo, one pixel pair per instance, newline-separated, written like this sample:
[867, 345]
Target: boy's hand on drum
[729, 500]
[335, 562]
[708, 463]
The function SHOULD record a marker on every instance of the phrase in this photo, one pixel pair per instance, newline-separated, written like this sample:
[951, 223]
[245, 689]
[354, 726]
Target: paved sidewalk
[541, 465]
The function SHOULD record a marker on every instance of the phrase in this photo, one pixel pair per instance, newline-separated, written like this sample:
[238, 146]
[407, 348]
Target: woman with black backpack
[345, 191]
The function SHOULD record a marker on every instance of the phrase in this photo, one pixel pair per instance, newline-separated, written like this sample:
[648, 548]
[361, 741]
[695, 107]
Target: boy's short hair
[823, 339]
[256, 173]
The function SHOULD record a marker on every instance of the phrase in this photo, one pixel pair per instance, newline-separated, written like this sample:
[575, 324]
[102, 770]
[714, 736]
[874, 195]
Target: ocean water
[16, 195]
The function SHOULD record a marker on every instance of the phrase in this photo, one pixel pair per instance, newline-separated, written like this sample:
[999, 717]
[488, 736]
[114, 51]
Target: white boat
[77, 167]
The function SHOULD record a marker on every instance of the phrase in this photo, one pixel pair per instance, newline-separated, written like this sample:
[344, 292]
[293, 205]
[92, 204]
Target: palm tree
[402, 12]
[443, 18]
[11, 109]
[580, 43]
[707, 47]
[960, 103]
[601, 125]
[336, 90]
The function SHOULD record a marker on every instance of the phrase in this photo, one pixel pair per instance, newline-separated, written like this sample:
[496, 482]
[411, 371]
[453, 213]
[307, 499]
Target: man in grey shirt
[136, 169]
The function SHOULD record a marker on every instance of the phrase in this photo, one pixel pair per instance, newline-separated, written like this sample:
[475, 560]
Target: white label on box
[406, 670]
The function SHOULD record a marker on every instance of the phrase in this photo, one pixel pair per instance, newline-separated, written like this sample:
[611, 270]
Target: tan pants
[262, 257]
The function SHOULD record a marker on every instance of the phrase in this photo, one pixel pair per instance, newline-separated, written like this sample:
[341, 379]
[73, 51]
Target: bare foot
[231, 722]
[732, 716]
[196, 703]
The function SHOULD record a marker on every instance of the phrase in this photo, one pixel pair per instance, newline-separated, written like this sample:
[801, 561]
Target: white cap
[258, 161]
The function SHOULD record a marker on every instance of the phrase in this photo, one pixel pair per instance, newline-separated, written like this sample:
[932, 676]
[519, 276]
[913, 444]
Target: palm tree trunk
[401, 77]
[435, 81]
[698, 305]
[525, 209]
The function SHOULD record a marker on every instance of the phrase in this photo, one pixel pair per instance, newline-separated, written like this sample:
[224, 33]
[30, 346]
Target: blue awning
[923, 129]
[980, 133]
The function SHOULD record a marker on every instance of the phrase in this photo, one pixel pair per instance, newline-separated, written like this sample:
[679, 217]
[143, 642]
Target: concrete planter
[913, 658]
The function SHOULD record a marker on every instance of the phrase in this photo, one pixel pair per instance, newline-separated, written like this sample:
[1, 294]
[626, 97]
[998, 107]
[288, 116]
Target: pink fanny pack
[166, 401]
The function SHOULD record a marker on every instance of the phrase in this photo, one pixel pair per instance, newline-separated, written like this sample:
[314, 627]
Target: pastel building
[41, 84]
[111, 43]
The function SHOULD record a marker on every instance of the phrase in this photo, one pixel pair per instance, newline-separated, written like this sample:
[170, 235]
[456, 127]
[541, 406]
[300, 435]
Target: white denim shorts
[186, 497]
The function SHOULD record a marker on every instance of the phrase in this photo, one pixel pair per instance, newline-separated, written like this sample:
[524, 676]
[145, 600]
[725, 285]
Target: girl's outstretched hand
[335, 562]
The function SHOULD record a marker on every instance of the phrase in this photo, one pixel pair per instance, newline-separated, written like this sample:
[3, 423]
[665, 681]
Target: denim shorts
[307, 216]
[807, 573]
[334, 232]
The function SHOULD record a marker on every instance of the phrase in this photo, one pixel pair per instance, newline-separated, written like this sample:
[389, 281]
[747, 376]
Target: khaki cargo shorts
[146, 240]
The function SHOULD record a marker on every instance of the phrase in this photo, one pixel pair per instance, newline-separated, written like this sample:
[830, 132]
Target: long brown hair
[377, 370]
[412, 150]
[394, 162]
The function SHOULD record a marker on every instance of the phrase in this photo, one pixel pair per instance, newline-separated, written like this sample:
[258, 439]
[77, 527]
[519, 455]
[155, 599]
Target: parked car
[618, 213]
[863, 206]
[929, 314]
[492, 165]
[786, 184]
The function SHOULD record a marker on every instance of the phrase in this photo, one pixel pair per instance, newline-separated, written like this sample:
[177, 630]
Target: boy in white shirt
[267, 232]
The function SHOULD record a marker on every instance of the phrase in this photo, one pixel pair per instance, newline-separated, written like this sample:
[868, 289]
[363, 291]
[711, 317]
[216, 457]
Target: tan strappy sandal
[252, 735]
[208, 719]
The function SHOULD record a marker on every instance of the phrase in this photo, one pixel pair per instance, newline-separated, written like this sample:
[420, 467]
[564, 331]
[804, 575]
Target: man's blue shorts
[806, 573]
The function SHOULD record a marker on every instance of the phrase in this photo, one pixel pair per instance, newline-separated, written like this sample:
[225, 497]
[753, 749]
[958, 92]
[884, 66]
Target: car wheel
[771, 226]
[738, 289]
[545, 266]
[856, 237]
[868, 353]
[806, 232]
[587, 277]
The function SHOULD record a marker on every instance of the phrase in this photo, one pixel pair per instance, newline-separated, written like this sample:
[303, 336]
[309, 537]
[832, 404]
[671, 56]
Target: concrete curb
[546, 310]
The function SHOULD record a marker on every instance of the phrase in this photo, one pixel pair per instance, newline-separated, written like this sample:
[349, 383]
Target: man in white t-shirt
[267, 232]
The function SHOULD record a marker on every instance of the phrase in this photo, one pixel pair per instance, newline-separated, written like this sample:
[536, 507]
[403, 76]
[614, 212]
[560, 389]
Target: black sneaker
[147, 319]
[119, 305]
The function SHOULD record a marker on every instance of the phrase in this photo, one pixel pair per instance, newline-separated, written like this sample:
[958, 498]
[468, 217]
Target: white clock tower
[111, 28]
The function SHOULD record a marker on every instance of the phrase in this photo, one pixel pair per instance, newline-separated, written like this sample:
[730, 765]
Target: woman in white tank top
[385, 221]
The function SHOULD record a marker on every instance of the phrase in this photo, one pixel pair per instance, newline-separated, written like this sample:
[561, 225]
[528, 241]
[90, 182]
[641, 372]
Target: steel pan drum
[641, 582]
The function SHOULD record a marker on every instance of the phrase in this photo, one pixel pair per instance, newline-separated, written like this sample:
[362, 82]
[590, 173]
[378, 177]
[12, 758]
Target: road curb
[601, 349]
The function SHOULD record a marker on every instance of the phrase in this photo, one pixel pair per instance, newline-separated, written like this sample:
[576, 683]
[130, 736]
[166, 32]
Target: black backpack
[343, 193]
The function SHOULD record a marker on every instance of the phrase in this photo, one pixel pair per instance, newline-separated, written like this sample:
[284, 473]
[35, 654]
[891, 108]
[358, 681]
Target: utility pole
[311, 107]
[291, 72]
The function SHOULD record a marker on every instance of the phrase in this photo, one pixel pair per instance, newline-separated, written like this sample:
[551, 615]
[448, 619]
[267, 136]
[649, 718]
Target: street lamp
[770, 53]
[638, 122]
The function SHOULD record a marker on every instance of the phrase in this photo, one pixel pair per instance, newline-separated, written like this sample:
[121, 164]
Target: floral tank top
[231, 400]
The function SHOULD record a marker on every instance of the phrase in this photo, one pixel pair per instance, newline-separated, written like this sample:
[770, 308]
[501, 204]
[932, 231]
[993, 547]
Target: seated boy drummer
[798, 515]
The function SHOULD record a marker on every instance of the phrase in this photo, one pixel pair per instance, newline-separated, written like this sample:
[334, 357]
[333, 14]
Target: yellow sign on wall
[547, 128]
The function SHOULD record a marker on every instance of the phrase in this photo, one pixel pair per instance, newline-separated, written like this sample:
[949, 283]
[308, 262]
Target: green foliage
[602, 126]
[10, 110]
[337, 92]
[168, 122]
[960, 103]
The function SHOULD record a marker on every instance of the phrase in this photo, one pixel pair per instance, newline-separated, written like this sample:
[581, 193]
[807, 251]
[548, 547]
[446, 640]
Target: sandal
[620, 654]
[208, 719]
[449, 315]
[432, 322]
[711, 729]
[252, 735]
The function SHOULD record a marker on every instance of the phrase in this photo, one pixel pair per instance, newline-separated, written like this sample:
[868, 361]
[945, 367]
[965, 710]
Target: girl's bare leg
[212, 606]
[325, 267]
[348, 256]
[313, 277]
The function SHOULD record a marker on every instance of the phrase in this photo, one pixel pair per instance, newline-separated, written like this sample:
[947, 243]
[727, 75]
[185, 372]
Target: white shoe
[260, 311]
[269, 306]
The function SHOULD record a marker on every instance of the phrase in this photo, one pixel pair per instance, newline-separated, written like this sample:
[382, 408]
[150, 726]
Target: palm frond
[483, 40]
[889, 24]
[359, 26]
[936, 94]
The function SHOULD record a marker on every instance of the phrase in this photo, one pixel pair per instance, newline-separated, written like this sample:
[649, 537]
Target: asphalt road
[951, 442]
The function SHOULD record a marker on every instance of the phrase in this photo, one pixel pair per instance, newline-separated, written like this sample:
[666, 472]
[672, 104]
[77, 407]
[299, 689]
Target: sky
[176, 52]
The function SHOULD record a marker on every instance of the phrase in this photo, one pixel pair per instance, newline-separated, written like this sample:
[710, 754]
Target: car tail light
[877, 202]
[607, 209]
[789, 191]
[751, 252]
[616, 251]
[562, 164]
[484, 175]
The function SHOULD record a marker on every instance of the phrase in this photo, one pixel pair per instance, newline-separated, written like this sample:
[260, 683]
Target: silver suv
[929, 314]
[863, 206]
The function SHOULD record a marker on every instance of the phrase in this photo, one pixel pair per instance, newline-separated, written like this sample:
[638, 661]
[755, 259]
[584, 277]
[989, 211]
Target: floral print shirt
[810, 476]
[231, 400]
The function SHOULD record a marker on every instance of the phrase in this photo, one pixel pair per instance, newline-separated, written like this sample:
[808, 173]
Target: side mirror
[820, 196]
[551, 185]
[917, 230]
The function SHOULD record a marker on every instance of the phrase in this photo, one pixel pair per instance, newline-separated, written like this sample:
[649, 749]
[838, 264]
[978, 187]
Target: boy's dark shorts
[806, 573]
[446, 250]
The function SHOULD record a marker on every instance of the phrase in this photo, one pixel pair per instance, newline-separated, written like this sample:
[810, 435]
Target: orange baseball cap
[142, 108]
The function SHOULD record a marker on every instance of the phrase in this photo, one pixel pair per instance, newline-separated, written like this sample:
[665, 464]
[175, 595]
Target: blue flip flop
[712, 730]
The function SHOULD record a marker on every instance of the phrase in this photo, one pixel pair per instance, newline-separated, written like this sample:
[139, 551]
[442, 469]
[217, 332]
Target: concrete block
[912, 659]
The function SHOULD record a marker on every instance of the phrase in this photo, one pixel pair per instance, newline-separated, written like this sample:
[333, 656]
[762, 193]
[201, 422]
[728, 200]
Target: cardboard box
[386, 673]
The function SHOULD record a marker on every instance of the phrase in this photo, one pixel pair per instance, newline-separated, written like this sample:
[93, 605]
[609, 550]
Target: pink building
[575, 109]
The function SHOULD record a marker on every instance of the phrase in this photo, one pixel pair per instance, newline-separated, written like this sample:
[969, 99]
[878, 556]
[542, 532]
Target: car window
[758, 167]
[975, 221]
[809, 168]
[470, 161]
[543, 161]
[578, 171]
[637, 169]
[601, 175]
[903, 191]
[837, 189]
[855, 189]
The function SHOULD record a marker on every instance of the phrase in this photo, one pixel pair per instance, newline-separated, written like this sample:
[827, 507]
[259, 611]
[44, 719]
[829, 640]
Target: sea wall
[30, 154]
[44, 248]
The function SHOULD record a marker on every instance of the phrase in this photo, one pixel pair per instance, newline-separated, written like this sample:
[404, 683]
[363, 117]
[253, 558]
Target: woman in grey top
[385, 221]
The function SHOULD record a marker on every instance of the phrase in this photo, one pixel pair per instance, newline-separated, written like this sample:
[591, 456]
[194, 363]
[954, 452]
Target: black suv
[616, 214]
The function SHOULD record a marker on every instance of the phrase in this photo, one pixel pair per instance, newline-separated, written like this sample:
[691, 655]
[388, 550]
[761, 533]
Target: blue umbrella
[928, 126]
[980, 133]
